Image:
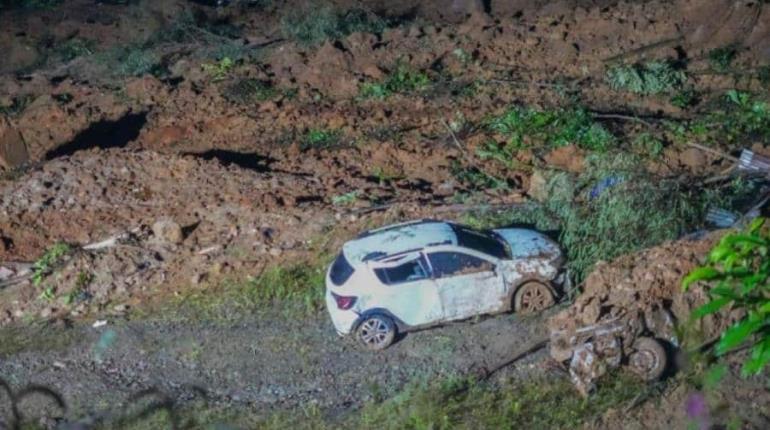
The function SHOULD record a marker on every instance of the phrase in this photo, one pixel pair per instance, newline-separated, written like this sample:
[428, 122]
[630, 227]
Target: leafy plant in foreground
[402, 80]
[654, 77]
[555, 128]
[739, 268]
[43, 266]
[721, 58]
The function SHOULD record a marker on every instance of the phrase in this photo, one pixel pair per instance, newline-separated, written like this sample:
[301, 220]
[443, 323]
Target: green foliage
[685, 98]
[319, 139]
[401, 81]
[554, 128]
[346, 199]
[132, 60]
[48, 261]
[738, 270]
[616, 207]
[721, 58]
[74, 48]
[314, 26]
[535, 404]
[746, 116]
[654, 77]
[647, 145]
[218, 71]
[475, 178]
[245, 91]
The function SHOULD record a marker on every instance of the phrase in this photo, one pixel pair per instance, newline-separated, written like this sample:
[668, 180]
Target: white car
[420, 273]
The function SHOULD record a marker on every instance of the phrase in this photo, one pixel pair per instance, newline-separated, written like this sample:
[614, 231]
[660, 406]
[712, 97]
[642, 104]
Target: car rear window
[341, 270]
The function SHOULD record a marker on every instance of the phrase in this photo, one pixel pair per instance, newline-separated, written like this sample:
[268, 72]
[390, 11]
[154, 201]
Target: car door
[408, 291]
[467, 284]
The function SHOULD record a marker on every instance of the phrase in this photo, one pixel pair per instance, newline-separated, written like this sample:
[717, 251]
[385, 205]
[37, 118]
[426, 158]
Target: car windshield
[480, 241]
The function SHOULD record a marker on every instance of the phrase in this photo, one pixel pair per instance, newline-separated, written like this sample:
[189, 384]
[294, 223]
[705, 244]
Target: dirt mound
[643, 283]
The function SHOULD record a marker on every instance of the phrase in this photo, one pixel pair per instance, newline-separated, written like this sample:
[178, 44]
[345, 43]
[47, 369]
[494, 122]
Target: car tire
[376, 332]
[532, 297]
[648, 359]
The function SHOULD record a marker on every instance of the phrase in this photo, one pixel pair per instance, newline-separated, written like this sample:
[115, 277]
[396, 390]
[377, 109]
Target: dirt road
[263, 362]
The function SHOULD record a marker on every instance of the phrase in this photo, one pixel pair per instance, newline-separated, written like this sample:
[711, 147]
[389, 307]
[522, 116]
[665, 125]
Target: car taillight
[344, 302]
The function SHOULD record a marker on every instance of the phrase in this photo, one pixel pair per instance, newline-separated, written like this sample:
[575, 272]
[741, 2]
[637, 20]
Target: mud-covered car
[420, 273]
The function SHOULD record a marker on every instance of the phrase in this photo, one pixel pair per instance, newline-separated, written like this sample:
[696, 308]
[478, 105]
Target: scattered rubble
[634, 297]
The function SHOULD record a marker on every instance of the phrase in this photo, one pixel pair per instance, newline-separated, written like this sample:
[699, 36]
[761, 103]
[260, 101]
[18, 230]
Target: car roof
[398, 238]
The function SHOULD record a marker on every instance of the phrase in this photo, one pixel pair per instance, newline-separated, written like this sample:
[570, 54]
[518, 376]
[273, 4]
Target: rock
[168, 231]
[13, 151]
[693, 158]
[538, 186]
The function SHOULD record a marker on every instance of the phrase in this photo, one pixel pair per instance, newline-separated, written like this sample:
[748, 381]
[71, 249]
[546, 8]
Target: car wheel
[532, 297]
[648, 359]
[376, 332]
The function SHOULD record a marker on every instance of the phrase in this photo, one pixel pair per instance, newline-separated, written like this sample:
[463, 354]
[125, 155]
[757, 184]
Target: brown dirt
[110, 154]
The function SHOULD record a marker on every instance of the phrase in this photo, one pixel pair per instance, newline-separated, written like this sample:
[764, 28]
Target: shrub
[319, 138]
[739, 271]
[313, 27]
[246, 91]
[721, 58]
[401, 80]
[654, 77]
[554, 128]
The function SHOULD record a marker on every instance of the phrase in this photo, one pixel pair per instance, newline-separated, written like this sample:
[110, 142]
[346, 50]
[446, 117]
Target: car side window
[447, 264]
[410, 271]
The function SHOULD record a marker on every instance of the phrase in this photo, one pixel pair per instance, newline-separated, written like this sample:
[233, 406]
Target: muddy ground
[115, 116]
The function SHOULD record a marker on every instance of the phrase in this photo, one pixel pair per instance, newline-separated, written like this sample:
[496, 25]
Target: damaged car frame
[421, 273]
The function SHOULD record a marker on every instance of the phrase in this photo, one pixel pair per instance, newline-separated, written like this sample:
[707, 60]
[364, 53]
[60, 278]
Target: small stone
[120, 308]
[275, 252]
[168, 231]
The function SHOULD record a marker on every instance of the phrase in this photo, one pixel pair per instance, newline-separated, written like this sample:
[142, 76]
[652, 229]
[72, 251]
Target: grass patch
[722, 58]
[48, 262]
[319, 138]
[653, 77]
[449, 403]
[402, 80]
[38, 337]
[616, 207]
[245, 91]
[543, 403]
[312, 26]
[526, 127]
[297, 289]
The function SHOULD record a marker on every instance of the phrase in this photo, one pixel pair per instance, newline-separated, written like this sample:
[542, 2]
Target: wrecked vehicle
[421, 273]
[629, 314]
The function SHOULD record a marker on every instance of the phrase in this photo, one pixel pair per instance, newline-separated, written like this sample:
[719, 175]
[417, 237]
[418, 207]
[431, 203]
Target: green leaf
[760, 357]
[711, 307]
[756, 224]
[700, 274]
[720, 252]
[736, 334]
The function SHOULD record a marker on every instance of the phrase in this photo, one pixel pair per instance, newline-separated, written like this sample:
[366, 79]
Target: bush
[722, 58]
[739, 271]
[654, 77]
[402, 80]
[313, 27]
[554, 128]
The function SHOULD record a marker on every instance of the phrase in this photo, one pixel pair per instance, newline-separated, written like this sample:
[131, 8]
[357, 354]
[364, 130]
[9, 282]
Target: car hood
[525, 243]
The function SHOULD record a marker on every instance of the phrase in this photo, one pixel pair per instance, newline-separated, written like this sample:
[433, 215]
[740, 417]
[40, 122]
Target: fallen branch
[714, 151]
[644, 49]
[621, 117]
[537, 346]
